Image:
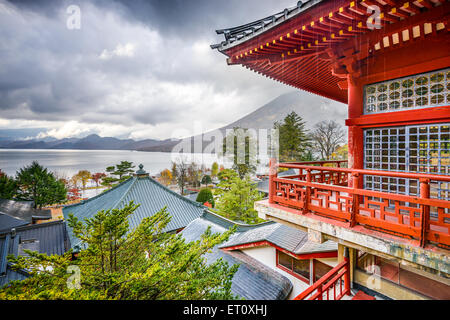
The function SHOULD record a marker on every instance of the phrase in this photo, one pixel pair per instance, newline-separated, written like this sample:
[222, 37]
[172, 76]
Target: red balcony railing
[336, 280]
[338, 193]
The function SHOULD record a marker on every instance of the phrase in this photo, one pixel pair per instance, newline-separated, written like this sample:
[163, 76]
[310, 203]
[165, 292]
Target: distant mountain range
[313, 109]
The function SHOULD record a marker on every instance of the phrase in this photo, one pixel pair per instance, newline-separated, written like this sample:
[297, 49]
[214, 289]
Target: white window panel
[415, 92]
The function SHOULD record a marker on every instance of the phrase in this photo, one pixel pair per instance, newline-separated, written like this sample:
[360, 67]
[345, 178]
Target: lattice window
[420, 149]
[414, 92]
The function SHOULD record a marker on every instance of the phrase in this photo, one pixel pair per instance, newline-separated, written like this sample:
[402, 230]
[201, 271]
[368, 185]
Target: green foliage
[242, 151]
[123, 171]
[35, 183]
[214, 169]
[293, 138]
[206, 180]
[205, 195]
[8, 186]
[237, 200]
[119, 263]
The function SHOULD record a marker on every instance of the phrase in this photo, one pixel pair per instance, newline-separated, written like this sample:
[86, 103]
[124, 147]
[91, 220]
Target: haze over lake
[69, 162]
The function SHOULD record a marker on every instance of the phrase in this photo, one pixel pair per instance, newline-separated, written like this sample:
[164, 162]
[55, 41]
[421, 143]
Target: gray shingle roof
[288, 238]
[143, 190]
[253, 280]
[50, 238]
[7, 222]
[23, 210]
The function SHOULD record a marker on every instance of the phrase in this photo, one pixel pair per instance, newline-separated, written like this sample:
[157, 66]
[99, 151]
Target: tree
[166, 177]
[181, 173]
[125, 264]
[294, 142]
[206, 180]
[194, 174]
[205, 195]
[8, 186]
[84, 177]
[97, 177]
[36, 184]
[214, 169]
[327, 137]
[243, 153]
[123, 171]
[237, 202]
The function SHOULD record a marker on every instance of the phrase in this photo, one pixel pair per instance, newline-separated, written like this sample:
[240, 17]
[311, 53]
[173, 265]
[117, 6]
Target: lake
[66, 163]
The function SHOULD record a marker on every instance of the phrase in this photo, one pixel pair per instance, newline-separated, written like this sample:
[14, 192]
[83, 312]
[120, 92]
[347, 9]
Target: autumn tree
[36, 184]
[97, 177]
[214, 169]
[327, 136]
[294, 142]
[84, 176]
[166, 177]
[127, 264]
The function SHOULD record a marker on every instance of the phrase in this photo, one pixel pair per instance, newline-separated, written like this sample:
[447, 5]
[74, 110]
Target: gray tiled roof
[7, 222]
[152, 197]
[23, 210]
[253, 280]
[288, 238]
[51, 238]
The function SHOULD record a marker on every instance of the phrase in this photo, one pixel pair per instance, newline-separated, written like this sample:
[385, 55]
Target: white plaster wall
[332, 262]
[267, 256]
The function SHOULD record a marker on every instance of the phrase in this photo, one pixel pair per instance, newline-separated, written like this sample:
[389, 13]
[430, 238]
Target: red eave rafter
[286, 53]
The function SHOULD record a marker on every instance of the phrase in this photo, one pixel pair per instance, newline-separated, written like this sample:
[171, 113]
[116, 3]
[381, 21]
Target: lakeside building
[389, 208]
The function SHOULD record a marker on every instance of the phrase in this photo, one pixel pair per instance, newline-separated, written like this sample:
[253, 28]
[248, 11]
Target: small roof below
[50, 238]
[283, 236]
[23, 210]
[253, 280]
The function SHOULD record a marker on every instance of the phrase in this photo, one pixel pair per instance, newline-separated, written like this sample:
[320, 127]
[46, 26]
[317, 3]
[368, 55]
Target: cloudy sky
[135, 69]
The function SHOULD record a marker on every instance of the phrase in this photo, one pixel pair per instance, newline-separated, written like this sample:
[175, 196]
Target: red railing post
[425, 212]
[347, 271]
[355, 201]
[272, 175]
[307, 192]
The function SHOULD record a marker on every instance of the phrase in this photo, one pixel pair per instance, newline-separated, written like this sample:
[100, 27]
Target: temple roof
[50, 238]
[253, 280]
[235, 35]
[22, 210]
[317, 45]
[291, 239]
[143, 190]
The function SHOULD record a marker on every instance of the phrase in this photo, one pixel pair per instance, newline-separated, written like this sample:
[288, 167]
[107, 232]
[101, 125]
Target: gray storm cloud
[145, 65]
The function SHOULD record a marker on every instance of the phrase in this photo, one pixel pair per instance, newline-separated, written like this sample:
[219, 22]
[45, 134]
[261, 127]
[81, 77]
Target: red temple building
[388, 208]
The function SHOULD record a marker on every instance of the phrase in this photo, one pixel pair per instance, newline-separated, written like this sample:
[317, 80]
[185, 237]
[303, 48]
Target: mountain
[91, 142]
[311, 108]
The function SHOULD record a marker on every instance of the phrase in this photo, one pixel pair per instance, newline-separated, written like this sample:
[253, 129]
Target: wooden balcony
[327, 189]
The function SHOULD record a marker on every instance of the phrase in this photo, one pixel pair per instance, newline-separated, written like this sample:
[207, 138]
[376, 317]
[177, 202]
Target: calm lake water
[69, 162]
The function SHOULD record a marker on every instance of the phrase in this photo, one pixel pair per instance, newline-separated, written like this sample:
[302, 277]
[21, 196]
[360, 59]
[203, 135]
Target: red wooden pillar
[355, 133]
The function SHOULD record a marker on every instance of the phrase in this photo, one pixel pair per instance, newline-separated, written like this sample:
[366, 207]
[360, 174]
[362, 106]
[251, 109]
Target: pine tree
[205, 195]
[36, 184]
[125, 264]
[294, 140]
